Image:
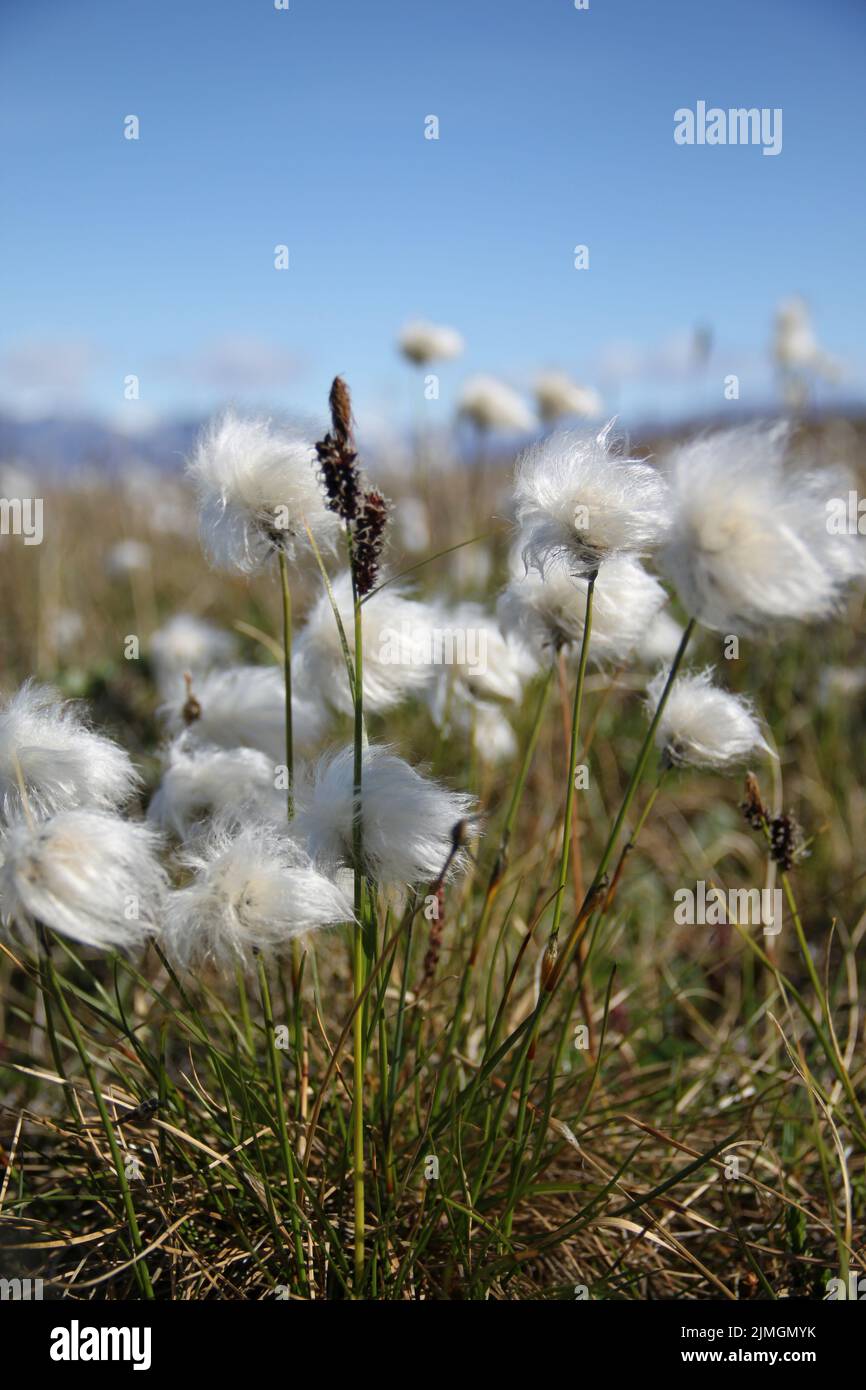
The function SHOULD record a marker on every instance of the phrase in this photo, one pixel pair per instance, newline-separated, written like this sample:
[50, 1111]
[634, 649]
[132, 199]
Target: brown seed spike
[340, 402]
[192, 707]
[752, 805]
[337, 456]
[369, 539]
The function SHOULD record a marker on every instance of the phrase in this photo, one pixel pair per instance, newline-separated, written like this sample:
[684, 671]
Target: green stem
[45, 986]
[526, 1030]
[297, 953]
[496, 873]
[526, 1082]
[513, 807]
[244, 1007]
[634, 783]
[358, 972]
[287, 675]
[283, 1133]
[572, 761]
[645, 751]
[141, 1271]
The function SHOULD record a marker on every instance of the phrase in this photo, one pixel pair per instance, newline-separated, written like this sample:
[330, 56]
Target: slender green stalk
[283, 1133]
[526, 1030]
[244, 1007]
[44, 947]
[828, 1038]
[572, 762]
[646, 749]
[142, 1273]
[511, 816]
[358, 973]
[287, 676]
[496, 873]
[634, 783]
[552, 945]
[297, 951]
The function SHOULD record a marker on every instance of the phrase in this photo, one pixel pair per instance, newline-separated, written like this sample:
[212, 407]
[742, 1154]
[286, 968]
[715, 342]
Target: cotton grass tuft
[86, 874]
[45, 742]
[252, 889]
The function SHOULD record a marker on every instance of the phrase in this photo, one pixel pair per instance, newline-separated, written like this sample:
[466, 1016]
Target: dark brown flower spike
[192, 707]
[337, 456]
[364, 510]
[368, 539]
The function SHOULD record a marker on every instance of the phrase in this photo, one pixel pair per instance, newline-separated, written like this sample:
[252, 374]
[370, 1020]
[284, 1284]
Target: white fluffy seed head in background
[493, 737]
[408, 821]
[188, 644]
[492, 405]
[482, 723]
[257, 487]
[578, 498]
[412, 523]
[397, 637]
[472, 651]
[86, 874]
[63, 763]
[660, 642]
[252, 889]
[703, 725]
[548, 613]
[127, 557]
[421, 342]
[558, 396]
[245, 707]
[749, 545]
[795, 347]
[202, 781]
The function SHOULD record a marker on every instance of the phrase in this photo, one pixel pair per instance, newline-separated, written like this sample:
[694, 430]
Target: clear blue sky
[305, 127]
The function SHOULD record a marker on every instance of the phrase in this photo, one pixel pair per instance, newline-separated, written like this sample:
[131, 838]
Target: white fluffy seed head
[482, 723]
[794, 344]
[577, 497]
[245, 707]
[548, 613]
[86, 874]
[423, 342]
[493, 737]
[187, 644]
[660, 641]
[408, 821]
[412, 524]
[127, 557]
[252, 889]
[62, 762]
[473, 654]
[203, 781]
[256, 488]
[703, 725]
[750, 546]
[558, 396]
[397, 635]
[492, 405]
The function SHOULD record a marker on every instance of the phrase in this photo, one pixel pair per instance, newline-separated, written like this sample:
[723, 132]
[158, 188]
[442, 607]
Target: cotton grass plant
[369, 964]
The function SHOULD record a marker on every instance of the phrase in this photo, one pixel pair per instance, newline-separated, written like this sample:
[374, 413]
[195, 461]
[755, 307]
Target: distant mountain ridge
[60, 444]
